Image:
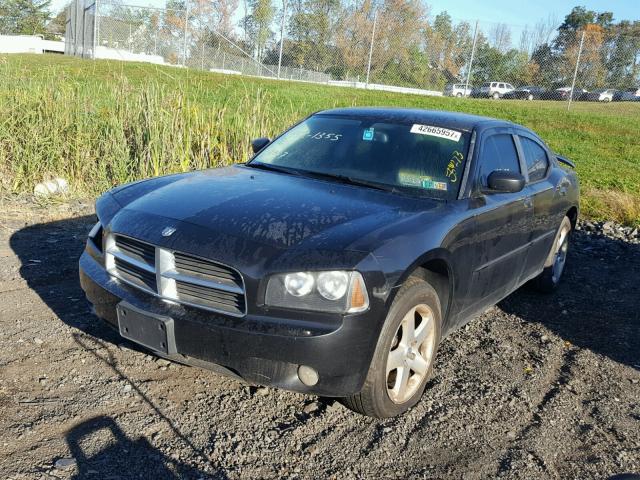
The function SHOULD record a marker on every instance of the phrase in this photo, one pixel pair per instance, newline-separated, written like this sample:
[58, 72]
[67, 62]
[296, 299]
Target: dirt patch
[539, 387]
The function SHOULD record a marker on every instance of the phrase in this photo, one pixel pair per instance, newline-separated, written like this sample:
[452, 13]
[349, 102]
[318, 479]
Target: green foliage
[24, 17]
[101, 123]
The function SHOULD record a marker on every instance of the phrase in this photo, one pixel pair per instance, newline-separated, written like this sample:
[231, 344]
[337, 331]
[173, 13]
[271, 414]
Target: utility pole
[284, 15]
[575, 72]
[96, 19]
[186, 27]
[473, 51]
[373, 36]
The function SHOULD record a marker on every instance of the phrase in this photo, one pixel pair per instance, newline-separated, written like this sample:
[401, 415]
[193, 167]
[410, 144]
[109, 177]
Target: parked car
[628, 95]
[457, 90]
[563, 93]
[602, 95]
[493, 90]
[336, 260]
[526, 93]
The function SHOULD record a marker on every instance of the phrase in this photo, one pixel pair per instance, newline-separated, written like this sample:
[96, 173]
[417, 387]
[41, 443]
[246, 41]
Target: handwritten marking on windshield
[456, 159]
[334, 137]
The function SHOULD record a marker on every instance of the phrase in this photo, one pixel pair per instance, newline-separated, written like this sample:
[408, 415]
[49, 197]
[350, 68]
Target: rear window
[425, 159]
[536, 158]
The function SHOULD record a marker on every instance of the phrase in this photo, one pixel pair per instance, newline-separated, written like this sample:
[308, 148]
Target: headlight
[332, 291]
[298, 284]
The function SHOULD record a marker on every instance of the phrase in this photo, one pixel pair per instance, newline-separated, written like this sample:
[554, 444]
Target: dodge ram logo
[168, 231]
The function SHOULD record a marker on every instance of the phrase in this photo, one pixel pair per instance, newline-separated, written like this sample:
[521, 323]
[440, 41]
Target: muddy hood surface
[269, 209]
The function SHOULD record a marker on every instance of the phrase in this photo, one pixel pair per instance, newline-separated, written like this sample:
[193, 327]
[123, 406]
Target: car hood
[265, 208]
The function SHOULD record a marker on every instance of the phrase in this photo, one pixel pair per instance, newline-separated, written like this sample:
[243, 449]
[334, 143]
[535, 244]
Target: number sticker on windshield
[436, 132]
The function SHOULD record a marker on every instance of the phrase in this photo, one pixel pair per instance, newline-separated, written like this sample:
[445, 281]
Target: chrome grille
[135, 275]
[136, 249]
[175, 276]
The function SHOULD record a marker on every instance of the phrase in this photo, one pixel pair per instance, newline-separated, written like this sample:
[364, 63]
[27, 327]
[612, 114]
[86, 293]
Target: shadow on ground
[49, 256]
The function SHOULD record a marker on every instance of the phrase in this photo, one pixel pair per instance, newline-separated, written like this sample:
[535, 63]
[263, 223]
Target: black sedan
[527, 93]
[339, 257]
[563, 94]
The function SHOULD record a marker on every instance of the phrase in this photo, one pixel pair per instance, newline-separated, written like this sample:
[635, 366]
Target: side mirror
[504, 181]
[259, 143]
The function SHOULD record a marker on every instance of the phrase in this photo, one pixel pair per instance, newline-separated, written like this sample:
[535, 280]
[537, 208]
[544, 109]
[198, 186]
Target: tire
[495, 96]
[530, 97]
[550, 277]
[458, 95]
[377, 399]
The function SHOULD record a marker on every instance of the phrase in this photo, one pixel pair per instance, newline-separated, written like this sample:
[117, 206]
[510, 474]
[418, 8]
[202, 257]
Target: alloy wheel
[411, 353]
[560, 258]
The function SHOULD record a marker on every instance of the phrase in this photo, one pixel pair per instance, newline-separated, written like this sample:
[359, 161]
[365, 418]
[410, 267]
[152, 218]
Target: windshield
[421, 159]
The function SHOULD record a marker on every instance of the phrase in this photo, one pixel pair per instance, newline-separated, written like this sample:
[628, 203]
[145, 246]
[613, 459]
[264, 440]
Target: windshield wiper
[273, 168]
[351, 181]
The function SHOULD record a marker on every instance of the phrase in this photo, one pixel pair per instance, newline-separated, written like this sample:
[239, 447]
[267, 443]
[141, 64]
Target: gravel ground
[538, 387]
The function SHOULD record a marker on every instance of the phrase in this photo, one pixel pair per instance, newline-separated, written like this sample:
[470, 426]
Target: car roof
[440, 118]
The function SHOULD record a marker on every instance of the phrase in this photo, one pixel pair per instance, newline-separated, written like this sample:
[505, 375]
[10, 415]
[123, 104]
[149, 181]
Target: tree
[57, 25]
[24, 17]
[312, 28]
[500, 37]
[262, 13]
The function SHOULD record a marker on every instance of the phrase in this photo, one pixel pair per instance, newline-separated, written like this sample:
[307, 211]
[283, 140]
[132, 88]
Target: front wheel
[403, 359]
[530, 97]
[550, 277]
[458, 95]
[496, 96]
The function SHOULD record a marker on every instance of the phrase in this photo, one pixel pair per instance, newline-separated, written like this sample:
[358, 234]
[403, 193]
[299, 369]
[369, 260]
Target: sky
[519, 12]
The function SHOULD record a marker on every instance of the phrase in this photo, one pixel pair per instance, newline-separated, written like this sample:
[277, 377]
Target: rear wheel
[403, 360]
[550, 277]
[458, 94]
[496, 96]
[530, 97]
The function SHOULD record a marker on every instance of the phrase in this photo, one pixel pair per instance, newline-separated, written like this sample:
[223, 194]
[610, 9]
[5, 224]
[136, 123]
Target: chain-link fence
[376, 45]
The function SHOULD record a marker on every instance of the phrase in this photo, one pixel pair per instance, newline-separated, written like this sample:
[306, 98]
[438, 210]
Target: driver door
[502, 224]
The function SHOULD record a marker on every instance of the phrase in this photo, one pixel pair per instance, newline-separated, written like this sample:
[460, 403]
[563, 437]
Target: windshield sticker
[456, 159]
[430, 184]
[368, 134]
[334, 137]
[436, 132]
[420, 181]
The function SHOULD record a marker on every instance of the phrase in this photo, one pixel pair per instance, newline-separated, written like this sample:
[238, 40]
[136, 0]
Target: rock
[311, 408]
[38, 341]
[262, 391]
[544, 338]
[65, 463]
[161, 362]
[126, 388]
[51, 187]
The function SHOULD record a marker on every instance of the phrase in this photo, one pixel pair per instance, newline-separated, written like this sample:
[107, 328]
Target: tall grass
[99, 135]
[102, 123]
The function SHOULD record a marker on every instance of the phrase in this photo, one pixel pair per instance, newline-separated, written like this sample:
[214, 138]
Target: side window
[498, 153]
[501, 85]
[536, 157]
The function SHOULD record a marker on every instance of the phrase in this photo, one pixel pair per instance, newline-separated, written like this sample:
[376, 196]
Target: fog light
[308, 375]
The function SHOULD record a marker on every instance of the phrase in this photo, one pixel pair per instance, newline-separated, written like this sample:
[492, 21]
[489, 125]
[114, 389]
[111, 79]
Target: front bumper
[260, 350]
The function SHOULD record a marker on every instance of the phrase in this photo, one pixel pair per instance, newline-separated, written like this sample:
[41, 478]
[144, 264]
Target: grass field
[101, 123]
